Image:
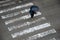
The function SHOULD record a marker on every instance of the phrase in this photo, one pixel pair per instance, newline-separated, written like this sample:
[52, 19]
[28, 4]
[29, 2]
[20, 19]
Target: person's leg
[32, 15]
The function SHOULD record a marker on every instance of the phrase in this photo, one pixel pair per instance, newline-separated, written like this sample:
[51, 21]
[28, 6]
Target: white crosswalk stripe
[17, 7]
[30, 30]
[10, 15]
[4, 1]
[7, 4]
[53, 39]
[15, 13]
[25, 24]
[40, 35]
[21, 18]
[26, 10]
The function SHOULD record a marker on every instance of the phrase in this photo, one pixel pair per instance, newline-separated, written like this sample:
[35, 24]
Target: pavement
[16, 24]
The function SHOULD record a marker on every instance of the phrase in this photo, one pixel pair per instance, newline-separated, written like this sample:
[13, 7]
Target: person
[32, 13]
[33, 10]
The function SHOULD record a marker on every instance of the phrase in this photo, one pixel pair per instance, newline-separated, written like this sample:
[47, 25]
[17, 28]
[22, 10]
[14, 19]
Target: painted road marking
[4, 1]
[26, 10]
[10, 15]
[15, 14]
[7, 4]
[21, 18]
[25, 24]
[40, 35]
[17, 7]
[29, 30]
[53, 39]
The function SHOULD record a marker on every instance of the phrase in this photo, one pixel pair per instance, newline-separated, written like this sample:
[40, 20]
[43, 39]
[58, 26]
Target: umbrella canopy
[34, 8]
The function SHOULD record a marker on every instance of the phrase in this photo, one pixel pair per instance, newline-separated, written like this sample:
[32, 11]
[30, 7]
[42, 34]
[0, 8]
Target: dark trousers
[32, 15]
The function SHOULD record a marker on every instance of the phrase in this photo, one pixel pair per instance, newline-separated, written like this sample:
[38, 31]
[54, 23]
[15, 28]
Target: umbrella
[34, 8]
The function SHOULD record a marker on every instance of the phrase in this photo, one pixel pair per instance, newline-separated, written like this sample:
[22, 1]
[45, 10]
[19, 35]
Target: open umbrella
[34, 8]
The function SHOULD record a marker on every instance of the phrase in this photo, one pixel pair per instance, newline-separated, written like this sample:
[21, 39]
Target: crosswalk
[25, 24]
[17, 7]
[26, 27]
[15, 14]
[21, 18]
[30, 30]
[39, 35]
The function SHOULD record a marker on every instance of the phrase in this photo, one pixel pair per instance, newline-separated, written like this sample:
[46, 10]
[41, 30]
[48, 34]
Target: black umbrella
[34, 8]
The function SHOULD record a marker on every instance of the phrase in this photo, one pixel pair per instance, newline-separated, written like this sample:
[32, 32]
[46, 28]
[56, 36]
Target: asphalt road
[16, 24]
